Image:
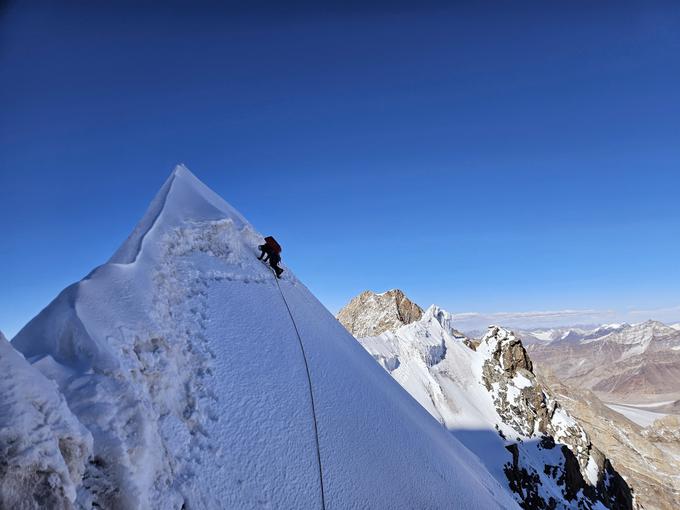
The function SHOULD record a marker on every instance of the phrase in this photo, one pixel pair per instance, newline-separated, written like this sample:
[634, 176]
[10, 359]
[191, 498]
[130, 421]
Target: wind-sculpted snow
[180, 358]
[43, 447]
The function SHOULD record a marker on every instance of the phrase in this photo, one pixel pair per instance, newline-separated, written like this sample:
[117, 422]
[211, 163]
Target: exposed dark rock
[525, 483]
[523, 403]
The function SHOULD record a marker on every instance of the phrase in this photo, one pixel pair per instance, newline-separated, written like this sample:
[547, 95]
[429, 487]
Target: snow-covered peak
[182, 198]
[605, 329]
[370, 314]
[676, 326]
[572, 334]
[641, 334]
[444, 318]
[205, 382]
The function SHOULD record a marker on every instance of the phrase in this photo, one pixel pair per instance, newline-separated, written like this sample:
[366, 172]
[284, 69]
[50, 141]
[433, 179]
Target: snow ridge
[180, 359]
[129, 251]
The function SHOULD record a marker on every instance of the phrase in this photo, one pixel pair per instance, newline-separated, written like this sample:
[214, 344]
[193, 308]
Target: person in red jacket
[271, 252]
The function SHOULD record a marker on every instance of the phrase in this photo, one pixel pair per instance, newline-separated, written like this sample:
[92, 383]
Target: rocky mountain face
[644, 443]
[648, 457]
[370, 314]
[620, 363]
[528, 406]
[486, 393]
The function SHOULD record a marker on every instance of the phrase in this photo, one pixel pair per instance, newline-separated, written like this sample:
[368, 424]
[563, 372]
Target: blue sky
[506, 157]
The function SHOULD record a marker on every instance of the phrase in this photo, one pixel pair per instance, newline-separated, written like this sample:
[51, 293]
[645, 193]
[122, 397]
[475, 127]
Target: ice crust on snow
[179, 357]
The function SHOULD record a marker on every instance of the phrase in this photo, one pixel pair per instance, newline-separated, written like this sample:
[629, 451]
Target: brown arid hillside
[647, 457]
[627, 364]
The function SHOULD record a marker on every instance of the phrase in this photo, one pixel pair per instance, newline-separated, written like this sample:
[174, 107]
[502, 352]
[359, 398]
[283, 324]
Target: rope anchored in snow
[311, 392]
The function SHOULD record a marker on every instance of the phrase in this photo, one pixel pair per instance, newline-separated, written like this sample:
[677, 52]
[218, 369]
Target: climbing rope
[311, 392]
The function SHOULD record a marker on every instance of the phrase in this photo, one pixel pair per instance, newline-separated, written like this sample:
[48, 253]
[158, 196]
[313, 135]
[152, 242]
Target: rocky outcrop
[487, 394]
[647, 457]
[664, 430]
[370, 314]
[527, 406]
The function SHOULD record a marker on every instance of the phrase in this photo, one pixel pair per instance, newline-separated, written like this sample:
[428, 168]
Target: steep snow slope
[489, 398]
[43, 447]
[180, 357]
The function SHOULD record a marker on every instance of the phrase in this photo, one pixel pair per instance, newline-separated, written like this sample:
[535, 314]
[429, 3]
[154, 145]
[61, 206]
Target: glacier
[177, 369]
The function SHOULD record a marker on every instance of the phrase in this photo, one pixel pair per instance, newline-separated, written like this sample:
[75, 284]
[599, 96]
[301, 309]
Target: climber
[270, 251]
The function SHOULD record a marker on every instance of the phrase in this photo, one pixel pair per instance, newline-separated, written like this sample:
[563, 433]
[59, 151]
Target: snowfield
[181, 383]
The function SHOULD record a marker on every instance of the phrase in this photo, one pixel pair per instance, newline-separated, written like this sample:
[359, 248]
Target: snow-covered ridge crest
[128, 343]
[182, 195]
[445, 319]
[182, 358]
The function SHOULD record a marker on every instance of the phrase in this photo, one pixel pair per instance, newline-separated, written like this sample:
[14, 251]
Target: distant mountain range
[638, 363]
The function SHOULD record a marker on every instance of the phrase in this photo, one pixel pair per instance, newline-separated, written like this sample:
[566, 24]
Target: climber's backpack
[271, 242]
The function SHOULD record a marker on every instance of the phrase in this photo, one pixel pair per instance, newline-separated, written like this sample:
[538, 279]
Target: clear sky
[489, 157]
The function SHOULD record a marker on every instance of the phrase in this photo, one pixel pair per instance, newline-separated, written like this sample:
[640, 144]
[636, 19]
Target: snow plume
[180, 358]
